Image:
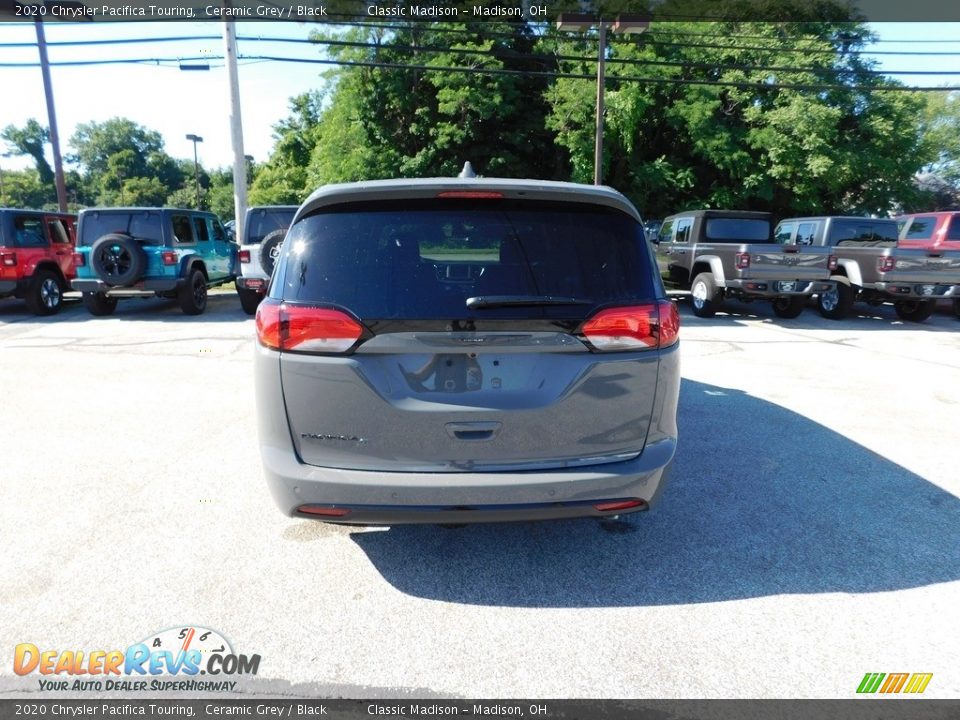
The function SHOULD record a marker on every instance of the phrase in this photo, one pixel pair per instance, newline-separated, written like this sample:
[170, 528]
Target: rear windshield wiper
[491, 301]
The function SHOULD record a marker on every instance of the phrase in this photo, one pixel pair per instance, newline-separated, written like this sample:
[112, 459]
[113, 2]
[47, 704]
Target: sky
[175, 102]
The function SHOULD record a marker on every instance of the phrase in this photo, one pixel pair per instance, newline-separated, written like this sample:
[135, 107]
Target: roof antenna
[467, 171]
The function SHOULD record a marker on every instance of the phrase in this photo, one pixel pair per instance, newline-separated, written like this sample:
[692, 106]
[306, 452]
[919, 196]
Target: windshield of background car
[264, 222]
[921, 228]
[145, 226]
[422, 259]
[737, 230]
[864, 233]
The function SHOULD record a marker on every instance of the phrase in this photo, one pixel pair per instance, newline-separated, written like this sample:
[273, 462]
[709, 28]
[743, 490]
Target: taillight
[305, 329]
[832, 263]
[79, 259]
[743, 261]
[244, 256]
[8, 259]
[637, 327]
[886, 263]
[170, 258]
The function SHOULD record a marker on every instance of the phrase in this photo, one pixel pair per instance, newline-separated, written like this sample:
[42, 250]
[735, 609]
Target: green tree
[682, 139]
[31, 140]
[442, 93]
[283, 179]
[23, 189]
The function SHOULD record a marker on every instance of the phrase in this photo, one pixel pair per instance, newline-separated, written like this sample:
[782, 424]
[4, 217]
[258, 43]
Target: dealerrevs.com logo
[169, 660]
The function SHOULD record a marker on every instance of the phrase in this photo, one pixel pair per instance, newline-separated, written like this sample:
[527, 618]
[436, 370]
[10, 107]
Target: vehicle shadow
[862, 317]
[763, 501]
[220, 306]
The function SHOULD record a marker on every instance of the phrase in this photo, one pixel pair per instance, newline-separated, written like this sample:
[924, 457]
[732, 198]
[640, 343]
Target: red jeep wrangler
[36, 257]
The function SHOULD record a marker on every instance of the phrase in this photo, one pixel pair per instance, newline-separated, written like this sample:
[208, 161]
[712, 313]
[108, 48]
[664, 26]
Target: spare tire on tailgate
[118, 259]
[270, 249]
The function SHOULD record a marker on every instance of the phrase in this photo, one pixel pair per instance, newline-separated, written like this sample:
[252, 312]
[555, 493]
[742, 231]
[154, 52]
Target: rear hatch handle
[473, 431]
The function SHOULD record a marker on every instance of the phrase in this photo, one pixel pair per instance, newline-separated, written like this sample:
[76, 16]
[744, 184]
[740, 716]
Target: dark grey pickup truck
[871, 268]
[719, 254]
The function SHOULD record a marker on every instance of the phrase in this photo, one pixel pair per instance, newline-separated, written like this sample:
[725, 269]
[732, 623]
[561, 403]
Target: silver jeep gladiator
[872, 268]
[719, 254]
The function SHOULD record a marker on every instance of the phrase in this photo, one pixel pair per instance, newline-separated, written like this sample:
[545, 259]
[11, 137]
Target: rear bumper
[142, 288]
[778, 288]
[917, 291]
[390, 498]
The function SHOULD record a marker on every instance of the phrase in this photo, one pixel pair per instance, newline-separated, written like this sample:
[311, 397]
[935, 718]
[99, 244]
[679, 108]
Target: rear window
[737, 230]
[864, 233]
[920, 228]
[145, 226]
[422, 259]
[264, 222]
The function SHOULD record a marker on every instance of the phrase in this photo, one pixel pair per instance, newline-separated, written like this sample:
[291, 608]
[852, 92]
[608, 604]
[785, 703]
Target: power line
[757, 85]
[510, 55]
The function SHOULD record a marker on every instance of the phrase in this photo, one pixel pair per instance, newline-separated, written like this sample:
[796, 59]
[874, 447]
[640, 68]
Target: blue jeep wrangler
[142, 252]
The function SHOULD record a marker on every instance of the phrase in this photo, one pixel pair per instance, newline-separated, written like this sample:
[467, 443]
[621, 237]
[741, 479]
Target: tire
[118, 259]
[704, 297]
[789, 308]
[956, 308]
[249, 300]
[915, 310]
[837, 303]
[99, 304]
[193, 295]
[45, 296]
[270, 249]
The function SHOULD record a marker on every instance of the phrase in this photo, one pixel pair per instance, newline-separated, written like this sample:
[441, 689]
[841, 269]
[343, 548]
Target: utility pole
[51, 117]
[196, 164]
[236, 127]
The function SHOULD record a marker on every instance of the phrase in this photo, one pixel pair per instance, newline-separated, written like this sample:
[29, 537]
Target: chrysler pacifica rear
[466, 350]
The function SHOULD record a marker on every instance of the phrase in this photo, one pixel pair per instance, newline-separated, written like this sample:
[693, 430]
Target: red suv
[36, 257]
[931, 231]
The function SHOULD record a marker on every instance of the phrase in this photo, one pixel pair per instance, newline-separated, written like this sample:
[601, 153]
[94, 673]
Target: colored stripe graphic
[918, 682]
[870, 682]
[895, 681]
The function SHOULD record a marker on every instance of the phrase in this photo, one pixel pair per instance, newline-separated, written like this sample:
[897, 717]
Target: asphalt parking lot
[809, 535]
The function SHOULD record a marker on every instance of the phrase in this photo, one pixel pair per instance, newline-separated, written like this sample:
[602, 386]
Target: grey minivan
[466, 350]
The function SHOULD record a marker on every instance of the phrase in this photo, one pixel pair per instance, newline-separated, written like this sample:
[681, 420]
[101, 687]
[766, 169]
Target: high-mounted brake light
[244, 256]
[170, 258]
[8, 259]
[304, 328]
[743, 261]
[832, 263]
[886, 263]
[79, 259]
[471, 194]
[637, 327]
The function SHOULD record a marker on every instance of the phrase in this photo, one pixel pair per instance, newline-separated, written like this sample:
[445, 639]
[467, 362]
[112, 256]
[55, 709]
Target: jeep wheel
[789, 307]
[915, 310]
[270, 249]
[118, 259]
[99, 304]
[45, 296]
[249, 300]
[836, 304]
[704, 296]
[193, 294]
